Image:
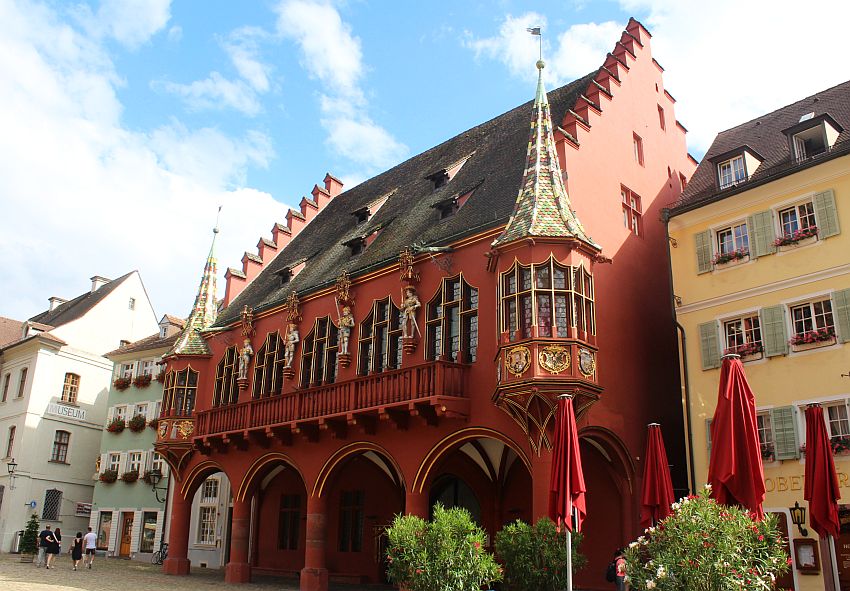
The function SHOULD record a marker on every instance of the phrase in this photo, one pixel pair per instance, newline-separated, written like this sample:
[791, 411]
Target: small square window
[131, 305]
[732, 171]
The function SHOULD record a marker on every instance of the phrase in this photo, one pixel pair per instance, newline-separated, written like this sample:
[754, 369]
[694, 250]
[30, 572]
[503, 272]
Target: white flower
[708, 487]
[633, 545]
[675, 506]
[661, 572]
[641, 540]
[650, 584]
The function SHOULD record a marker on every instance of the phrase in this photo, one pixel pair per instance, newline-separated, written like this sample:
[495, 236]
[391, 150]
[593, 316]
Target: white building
[54, 382]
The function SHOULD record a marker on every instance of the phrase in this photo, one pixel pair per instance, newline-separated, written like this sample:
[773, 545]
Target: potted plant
[121, 384]
[796, 237]
[109, 476]
[812, 339]
[535, 556]
[840, 445]
[705, 546]
[116, 425]
[747, 351]
[142, 381]
[29, 541]
[160, 377]
[130, 476]
[446, 553]
[733, 256]
[151, 477]
[153, 424]
[137, 424]
[767, 453]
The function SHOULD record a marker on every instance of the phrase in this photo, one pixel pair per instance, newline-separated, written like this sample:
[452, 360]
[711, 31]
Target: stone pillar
[416, 503]
[238, 570]
[177, 562]
[314, 575]
[541, 473]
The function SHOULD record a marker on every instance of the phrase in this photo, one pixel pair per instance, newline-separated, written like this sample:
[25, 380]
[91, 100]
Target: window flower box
[730, 259]
[840, 445]
[813, 339]
[122, 384]
[137, 424]
[108, 476]
[801, 237]
[153, 424]
[130, 476]
[116, 425]
[142, 381]
[747, 351]
[768, 454]
[160, 377]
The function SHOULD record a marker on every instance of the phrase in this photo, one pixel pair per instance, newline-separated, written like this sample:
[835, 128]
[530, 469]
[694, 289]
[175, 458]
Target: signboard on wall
[82, 510]
[68, 412]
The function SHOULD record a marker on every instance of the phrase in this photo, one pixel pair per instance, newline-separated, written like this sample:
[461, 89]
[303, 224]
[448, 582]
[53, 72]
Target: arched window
[552, 296]
[318, 354]
[226, 391]
[452, 322]
[71, 388]
[380, 339]
[268, 367]
[450, 491]
[179, 393]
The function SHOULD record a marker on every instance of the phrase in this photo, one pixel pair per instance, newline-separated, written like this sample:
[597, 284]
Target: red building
[473, 306]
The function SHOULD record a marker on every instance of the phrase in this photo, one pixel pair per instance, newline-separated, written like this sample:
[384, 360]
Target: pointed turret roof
[542, 205]
[190, 341]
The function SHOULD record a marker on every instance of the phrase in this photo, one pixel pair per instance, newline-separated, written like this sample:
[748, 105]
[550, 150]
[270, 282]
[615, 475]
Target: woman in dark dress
[55, 547]
[77, 549]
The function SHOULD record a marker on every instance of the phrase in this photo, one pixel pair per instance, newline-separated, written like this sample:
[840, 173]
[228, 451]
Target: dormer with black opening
[812, 136]
[736, 166]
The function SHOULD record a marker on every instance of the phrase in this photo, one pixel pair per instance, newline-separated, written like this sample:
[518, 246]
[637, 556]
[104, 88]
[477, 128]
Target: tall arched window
[318, 354]
[226, 391]
[380, 339]
[452, 322]
[552, 296]
[71, 388]
[179, 393]
[268, 367]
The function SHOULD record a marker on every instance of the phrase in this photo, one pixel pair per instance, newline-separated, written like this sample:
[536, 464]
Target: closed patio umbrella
[657, 493]
[821, 481]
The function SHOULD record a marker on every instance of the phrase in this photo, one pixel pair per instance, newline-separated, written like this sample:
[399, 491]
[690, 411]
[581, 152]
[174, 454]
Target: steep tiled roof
[493, 173]
[146, 344]
[77, 308]
[10, 330]
[43, 336]
[764, 136]
[175, 320]
[189, 341]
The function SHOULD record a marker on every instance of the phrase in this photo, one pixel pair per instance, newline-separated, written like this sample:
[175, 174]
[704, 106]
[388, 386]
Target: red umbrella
[821, 488]
[566, 484]
[735, 472]
[657, 495]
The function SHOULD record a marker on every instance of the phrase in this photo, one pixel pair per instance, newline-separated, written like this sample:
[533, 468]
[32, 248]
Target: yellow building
[761, 267]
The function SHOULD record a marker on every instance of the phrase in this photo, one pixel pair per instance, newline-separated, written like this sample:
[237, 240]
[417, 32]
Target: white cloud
[175, 33]
[332, 54]
[215, 92]
[243, 48]
[83, 195]
[130, 22]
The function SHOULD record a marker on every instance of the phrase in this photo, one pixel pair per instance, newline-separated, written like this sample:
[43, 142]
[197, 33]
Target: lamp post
[798, 517]
[155, 477]
[11, 466]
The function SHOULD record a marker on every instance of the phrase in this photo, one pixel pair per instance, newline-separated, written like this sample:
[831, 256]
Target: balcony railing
[359, 395]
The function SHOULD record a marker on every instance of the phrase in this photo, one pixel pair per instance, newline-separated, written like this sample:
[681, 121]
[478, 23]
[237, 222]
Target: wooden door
[126, 535]
[786, 581]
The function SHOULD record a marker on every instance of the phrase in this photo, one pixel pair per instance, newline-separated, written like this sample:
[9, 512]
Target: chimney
[55, 302]
[97, 282]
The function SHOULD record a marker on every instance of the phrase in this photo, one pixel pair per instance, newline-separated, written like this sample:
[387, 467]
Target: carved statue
[292, 338]
[409, 306]
[245, 359]
[346, 323]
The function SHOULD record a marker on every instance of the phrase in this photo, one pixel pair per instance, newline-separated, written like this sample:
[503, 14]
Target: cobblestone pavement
[109, 574]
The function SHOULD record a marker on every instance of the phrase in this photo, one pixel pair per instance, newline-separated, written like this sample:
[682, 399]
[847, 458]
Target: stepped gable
[497, 148]
[77, 308]
[764, 136]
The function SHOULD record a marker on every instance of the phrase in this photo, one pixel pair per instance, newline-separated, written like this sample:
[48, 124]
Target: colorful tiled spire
[542, 205]
[204, 311]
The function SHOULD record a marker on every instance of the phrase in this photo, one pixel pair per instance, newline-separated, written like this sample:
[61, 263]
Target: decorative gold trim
[518, 360]
[344, 452]
[554, 358]
[581, 361]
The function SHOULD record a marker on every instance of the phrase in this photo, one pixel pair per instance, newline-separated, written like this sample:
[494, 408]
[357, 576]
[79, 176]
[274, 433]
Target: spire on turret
[542, 206]
[204, 311]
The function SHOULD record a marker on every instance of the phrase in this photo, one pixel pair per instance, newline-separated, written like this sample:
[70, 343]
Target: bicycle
[160, 555]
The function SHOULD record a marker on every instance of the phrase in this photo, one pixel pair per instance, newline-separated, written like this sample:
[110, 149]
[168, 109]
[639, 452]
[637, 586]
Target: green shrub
[445, 554]
[705, 546]
[535, 557]
[29, 542]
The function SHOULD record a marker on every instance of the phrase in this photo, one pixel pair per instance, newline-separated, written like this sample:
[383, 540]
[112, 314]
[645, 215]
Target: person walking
[90, 544]
[44, 540]
[77, 549]
[54, 548]
[620, 567]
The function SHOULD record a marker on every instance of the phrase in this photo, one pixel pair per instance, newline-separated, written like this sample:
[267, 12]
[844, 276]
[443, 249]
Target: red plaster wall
[267, 554]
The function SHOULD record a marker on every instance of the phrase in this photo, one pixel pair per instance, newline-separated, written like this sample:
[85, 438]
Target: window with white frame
[134, 461]
[127, 370]
[732, 239]
[838, 424]
[208, 512]
[743, 335]
[813, 317]
[120, 413]
[131, 305]
[765, 428]
[796, 219]
[142, 410]
[632, 211]
[148, 368]
[114, 462]
[157, 463]
[61, 440]
[731, 171]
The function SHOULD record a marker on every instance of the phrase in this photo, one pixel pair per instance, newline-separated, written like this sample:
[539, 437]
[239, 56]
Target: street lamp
[798, 517]
[11, 466]
[155, 477]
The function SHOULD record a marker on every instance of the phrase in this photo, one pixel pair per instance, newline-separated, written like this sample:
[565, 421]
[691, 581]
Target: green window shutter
[709, 345]
[708, 436]
[784, 422]
[826, 214]
[703, 244]
[773, 331]
[841, 312]
[762, 234]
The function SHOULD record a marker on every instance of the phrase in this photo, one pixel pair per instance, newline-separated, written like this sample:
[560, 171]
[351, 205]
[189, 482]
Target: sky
[125, 124]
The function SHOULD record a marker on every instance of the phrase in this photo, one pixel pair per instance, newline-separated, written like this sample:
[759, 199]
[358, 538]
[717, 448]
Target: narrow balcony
[428, 391]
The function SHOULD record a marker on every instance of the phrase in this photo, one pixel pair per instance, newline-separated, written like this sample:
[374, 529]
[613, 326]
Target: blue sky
[127, 122]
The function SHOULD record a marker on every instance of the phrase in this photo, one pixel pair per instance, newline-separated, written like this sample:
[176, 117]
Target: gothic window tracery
[226, 390]
[268, 367]
[452, 322]
[318, 354]
[380, 344]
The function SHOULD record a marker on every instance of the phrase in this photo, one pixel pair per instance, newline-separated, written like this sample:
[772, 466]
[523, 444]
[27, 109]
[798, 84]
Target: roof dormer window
[813, 135]
[356, 245]
[736, 166]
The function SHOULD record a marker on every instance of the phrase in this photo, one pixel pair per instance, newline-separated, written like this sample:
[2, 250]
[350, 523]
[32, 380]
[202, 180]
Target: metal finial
[217, 216]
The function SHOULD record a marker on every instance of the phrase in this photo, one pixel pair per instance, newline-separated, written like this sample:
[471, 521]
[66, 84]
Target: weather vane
[536, 32]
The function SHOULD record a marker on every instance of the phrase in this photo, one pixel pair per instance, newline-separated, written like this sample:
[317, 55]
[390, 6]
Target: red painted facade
[317, 472]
